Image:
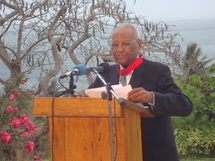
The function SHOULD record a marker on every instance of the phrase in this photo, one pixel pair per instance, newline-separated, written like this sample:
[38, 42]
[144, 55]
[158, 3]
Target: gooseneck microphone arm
[78, 70]
[72, 86]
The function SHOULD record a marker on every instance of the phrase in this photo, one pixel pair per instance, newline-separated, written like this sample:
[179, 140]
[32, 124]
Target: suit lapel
[113, 76]
[138, 75]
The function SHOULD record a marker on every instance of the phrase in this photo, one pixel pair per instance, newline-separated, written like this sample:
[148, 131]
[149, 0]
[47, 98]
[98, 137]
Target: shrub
[195, 134]
[16, 131]
[195, 141]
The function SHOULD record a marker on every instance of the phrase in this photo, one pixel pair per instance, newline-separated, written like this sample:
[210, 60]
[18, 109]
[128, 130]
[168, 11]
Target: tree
[48, 33]
[194, 62]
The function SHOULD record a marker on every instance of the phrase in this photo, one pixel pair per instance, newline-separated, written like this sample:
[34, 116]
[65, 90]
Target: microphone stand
[72, 86]
[110, 92]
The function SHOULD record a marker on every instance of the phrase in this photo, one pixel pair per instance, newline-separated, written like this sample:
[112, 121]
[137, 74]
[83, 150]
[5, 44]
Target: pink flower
[22, 116]
[36, 158]
[15, 92]
[25, 134]
[22, 81]
[16, 109]
[30, 127]
[30, 124]
[9, 109]
[12, 97]
[15, 122]
[29, 146]
[23, 119]
[32, 131]
[5, 137]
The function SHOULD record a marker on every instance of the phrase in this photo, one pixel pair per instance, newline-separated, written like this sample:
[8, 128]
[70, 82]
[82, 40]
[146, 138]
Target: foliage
[197, 158]
[194, 61]
[42, 147]
[192, 141]
[16, 131]
[195, 133]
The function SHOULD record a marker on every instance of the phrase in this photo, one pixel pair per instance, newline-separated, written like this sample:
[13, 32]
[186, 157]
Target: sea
[200, 31]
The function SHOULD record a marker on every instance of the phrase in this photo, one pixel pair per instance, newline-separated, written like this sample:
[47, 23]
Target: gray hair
[127, 25]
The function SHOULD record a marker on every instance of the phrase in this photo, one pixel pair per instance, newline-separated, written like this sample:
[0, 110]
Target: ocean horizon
[201, 32]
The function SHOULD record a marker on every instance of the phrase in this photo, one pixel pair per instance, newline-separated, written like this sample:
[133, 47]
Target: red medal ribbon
[130, 68]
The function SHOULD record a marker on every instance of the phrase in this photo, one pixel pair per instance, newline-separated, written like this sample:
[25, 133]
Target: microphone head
[81, 69]
[106, 67]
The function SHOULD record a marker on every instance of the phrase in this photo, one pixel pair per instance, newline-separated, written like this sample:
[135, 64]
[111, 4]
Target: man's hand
[140, 95]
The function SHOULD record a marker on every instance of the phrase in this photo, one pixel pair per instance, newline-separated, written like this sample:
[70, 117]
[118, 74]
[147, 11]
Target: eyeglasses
[125, 44]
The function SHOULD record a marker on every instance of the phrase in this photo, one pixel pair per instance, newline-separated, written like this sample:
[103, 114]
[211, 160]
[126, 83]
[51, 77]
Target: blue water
[204, 38]
[201, 32]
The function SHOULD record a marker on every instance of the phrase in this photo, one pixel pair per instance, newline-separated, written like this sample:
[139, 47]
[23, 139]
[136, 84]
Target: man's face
[125, 46]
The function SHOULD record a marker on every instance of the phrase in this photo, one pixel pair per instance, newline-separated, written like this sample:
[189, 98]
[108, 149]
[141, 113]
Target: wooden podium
[80, 129]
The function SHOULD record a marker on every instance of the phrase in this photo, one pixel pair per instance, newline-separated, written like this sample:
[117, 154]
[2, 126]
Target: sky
[173, 9]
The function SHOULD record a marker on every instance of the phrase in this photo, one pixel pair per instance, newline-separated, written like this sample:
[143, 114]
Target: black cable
[52, 141]
[62, 84]
[58, 94]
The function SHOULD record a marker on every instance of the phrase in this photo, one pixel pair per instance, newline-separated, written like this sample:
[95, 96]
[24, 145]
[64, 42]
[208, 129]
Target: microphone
[77, 70]
[103, 67]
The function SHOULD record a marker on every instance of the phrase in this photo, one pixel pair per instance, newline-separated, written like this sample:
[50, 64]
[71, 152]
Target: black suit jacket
[157, 135]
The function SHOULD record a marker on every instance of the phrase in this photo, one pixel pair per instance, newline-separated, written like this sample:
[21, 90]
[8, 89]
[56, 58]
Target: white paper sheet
[118, 89]
[121, 92]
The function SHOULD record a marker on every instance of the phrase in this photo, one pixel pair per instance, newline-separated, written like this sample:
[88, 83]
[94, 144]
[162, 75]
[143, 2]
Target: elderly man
[152, 84]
